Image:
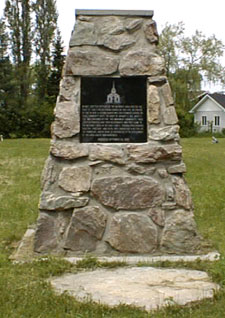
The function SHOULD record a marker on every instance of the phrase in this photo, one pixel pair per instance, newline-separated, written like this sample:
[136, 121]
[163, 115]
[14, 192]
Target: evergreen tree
[57, 66]
[45, 26]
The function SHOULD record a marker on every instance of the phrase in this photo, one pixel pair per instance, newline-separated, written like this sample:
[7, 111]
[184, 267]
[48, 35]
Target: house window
[217, 120]
[204, 120]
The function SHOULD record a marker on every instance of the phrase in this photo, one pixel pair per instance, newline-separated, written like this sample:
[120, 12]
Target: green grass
[24, 291]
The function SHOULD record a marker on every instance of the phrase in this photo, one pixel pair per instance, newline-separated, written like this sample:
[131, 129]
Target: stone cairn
[115, 198]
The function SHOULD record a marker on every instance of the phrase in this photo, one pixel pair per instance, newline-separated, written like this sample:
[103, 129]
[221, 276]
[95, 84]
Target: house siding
[210, 109]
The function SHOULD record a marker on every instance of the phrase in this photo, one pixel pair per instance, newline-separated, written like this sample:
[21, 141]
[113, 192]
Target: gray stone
[49, 201]
[107, 153]
[69, 89]
[167, 95]
[157, 80]
[137, 169]
[75, 178]
[149, 153]
[128, 193]
[86, 228]
[153, 105]
[82, 61]
[170, 116]
[150, 31]
[162, 172]
[67, 120]
[108, 26]
[165, 133]
[133, 24]
[68, 150]
[84, 34]
[50, 231]
[179, 168]
[169, 205]
[179, 234]
[148, 288]
[132, 233]
[182, 193]
[157, 215]
[49, 174]
[141, 62]
[118, 42]
[170, 193]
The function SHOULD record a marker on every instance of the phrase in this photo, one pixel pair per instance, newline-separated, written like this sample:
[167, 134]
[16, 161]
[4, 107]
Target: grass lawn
[24, 292]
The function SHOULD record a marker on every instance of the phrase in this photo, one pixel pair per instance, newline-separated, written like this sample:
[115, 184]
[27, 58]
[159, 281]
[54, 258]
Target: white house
[209, 112]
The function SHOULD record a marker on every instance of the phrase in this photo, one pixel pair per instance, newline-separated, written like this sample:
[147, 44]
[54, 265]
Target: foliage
[45, 26]
[30, 67]
[190, 60]
[18, 21]
[24, 289]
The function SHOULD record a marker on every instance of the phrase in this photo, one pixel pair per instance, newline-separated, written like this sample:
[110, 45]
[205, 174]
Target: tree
[45, 26]
[18, 19]
[190, 61]
[8, 89]
[197, 56]
[56, 70]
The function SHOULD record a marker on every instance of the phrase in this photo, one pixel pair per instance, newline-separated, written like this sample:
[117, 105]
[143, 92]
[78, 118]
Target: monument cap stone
[131, 13]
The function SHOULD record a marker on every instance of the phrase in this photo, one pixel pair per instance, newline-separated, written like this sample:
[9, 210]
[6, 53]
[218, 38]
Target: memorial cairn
[113, 182]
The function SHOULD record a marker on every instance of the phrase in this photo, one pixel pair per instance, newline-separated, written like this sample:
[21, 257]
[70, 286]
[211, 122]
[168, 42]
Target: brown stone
[141, 62]
[182, 193]
[157, 215]
[82, 61]
[150, 31]
[149, 153]
[128, 193]
[68, 150]
[167, 95]
[107, 153]
[165, 133]
[67, 120]
[132, 233]
[86, 228]
[75, 178]
[170, 116]
[179, 234]
[153, 105]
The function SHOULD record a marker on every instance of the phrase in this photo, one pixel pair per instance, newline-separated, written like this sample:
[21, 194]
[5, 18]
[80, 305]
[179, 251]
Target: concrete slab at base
[132, 260]
[144, 287]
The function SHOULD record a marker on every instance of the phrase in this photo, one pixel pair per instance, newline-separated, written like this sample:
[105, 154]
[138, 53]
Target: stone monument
[113, 183]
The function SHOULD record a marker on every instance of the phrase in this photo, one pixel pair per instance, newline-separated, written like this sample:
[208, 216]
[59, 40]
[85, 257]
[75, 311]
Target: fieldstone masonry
[115, 198]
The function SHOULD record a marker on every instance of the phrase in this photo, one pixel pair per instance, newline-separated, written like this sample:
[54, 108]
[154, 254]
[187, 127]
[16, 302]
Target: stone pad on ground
[145, 287]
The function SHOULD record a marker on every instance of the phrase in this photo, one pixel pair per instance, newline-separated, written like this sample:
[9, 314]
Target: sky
[205, 16]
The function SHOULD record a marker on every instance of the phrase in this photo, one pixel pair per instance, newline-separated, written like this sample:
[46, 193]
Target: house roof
[218, 98]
